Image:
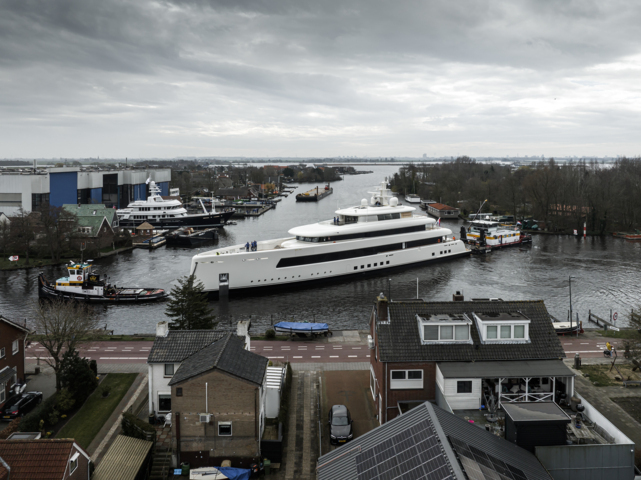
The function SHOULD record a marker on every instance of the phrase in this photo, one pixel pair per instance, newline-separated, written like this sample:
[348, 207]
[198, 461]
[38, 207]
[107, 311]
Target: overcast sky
[142, 78]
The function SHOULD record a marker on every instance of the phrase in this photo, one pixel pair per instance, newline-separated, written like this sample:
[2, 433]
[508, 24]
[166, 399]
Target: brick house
[45, 459]
[218, 398]
[170, 349]
[464, 355]
[12, 355]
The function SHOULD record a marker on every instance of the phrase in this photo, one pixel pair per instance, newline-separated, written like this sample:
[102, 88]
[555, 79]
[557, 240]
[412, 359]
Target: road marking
[567, 344]
[123, 358]
[302, 348]
[367, 356]
[314, 356]
[585, 344]
[275, 357]
[41, 358]
[284, 348]
[333, 356]
[297, 357]
[252, 348]
[337, 348]
[587, 351]
[352, 356]
[356, 348]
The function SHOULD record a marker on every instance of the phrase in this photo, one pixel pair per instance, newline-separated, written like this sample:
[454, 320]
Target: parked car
[20, 405]
[340, 425]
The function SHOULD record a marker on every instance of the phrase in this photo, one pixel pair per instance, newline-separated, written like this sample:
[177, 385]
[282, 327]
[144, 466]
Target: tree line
[560, 196]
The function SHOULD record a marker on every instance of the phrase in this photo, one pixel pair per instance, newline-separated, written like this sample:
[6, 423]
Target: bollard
[577, 361]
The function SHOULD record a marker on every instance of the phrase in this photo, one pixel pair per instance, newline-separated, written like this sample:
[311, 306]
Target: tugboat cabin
[80, 277]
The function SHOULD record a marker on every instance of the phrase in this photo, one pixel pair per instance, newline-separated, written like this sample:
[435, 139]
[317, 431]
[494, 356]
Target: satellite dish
[364, 202]
[393, 202]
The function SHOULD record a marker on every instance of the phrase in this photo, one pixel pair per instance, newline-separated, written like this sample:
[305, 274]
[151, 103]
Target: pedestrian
[247, 246]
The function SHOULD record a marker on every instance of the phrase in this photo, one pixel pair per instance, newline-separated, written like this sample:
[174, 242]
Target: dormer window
[507, 327]
[444, 329]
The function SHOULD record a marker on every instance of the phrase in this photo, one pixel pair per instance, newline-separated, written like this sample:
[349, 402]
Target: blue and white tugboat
[84, 285]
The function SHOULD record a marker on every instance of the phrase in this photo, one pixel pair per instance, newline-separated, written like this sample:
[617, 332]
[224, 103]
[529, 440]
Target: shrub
[94, 367]
[31, 421]
[65, 401]
[105, 390]
[270, 334]
[132, 426]
[283, 414]
[11, 428]
[77, 376]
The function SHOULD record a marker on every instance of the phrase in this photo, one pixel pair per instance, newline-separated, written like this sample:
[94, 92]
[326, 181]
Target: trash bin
[185, 468]
[152, 418]
[268, 465]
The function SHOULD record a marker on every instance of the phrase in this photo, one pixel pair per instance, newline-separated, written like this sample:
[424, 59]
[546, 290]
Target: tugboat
[84, 285]
[188, 237]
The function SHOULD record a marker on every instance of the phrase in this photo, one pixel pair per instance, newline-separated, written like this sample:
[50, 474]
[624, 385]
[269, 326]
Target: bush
[105, 390]
[31, 421]
[65, 401]
[270, 334]
[11, 428]
[132, 426]
[77, 376]
[94, 367]
[283, 414]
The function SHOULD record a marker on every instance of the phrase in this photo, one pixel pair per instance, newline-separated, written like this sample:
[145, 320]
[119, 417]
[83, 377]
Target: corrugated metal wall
[96, 195]
[64, 188]
[140, 191]
[588, 462]
[164, 188]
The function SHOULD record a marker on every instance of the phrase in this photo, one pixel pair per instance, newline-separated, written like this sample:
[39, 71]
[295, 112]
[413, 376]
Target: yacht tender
[377, 235]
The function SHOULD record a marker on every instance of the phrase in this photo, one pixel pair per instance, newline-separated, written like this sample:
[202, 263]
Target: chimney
[162, 329]
[458, 297]
[242, 330]
[382, 310]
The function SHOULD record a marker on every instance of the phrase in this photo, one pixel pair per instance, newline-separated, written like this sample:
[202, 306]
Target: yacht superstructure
[167, 214]
[375, 235]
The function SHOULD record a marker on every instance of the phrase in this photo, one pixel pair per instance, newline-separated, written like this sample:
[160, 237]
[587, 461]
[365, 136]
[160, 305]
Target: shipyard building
[28, 188]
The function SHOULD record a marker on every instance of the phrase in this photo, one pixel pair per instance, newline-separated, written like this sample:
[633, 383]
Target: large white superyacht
[374, 236]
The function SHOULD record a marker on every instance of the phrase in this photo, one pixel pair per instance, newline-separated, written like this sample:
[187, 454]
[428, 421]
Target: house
[96, 223]
[13, 338]
[50, 459]
[430, 443]
[464, 355]
[128, 458]
[94, 210]
[170, 349]
[237, 193]
[4, 219]
[145, 229]
[218, 398]
[440, 210]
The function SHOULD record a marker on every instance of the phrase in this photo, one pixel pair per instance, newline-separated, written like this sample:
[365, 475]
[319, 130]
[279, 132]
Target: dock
[314, 195]
[600, 322]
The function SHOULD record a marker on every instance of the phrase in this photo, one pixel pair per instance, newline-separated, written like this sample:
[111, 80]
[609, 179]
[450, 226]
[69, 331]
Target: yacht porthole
[356, 268]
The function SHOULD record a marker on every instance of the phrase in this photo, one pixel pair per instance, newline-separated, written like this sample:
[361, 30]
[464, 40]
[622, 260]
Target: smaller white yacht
[412, 198]
[168, 214]
[487, 233]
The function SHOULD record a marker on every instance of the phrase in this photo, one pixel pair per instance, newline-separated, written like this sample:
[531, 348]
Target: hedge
[31, 421]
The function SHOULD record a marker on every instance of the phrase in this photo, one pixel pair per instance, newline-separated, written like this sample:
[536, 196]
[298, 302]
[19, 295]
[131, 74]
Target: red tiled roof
[36, 459]
[441, 206]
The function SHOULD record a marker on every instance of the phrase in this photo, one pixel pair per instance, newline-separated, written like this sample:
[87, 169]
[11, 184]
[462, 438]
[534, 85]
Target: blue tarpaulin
[302, 327]
[235, 473]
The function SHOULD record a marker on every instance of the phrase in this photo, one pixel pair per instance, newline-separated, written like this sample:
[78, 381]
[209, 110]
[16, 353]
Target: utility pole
[570, 283]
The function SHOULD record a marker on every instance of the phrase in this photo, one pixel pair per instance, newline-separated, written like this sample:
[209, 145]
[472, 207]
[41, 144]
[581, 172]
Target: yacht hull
[254, 271]
[208, 220]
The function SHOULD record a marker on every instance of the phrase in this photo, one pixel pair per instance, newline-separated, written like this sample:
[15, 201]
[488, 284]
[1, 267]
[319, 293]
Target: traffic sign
[615, 316]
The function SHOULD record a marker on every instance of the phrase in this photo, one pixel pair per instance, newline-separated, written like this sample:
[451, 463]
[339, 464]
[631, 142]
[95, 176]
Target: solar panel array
[414, 454]
[478, 465]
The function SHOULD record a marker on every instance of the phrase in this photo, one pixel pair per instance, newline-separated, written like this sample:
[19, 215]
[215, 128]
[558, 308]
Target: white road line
[123, 358]
[567, 344]
[284, 348]
[586, 351]
[297, 357]
[352, 356]
[333, 356]
[302, 348]
[41, 358]
[367, 356]
[275, 357]
[315, 356]
[585, 344]
[338, 348]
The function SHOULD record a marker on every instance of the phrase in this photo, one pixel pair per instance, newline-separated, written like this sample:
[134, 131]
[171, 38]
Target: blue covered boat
[303, 328]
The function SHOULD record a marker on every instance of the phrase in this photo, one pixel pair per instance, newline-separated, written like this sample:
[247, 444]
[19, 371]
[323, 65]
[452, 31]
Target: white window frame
[164, 394]
[2, 393]
[73, 463]
[2, 352]
[445, 340]
[15, 347]
[372, 381]
[471, 382]
[406, 383]
[231, 432]
[173, 367]
[511, 338]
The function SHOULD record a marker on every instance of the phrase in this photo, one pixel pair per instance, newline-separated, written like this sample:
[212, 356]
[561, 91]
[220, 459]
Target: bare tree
[64, 326]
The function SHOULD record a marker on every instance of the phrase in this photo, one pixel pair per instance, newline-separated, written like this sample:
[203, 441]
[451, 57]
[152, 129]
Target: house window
[446, 333]
[73, 463]
[179, 391]
[519, 331]
[464, 386]
[224, 429]
[2, 393]
[506, 331]
[372, 382]
[169, 369]
[406, 379]
[15, 346]
[164, 402]
[491, 332]
[2, 352]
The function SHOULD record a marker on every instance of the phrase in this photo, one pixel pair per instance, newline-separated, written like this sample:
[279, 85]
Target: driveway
[349, 388]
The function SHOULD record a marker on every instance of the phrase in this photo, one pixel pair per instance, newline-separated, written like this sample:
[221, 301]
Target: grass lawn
[88, 421]
[627, 334]
[598, 375]
[5, 264]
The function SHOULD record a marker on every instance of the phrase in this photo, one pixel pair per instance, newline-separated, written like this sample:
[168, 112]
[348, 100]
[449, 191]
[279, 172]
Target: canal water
[606, 274]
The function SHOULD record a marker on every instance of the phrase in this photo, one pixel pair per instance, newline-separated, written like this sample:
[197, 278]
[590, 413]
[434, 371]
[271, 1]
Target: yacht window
[350, 219]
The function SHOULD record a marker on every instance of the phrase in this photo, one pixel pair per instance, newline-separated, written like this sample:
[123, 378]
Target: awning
[6, 374]
[505, 369]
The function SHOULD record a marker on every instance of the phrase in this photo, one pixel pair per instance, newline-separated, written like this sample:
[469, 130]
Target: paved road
[297, 351]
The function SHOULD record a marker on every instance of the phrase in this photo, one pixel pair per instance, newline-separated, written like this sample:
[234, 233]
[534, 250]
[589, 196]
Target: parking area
[349, 388]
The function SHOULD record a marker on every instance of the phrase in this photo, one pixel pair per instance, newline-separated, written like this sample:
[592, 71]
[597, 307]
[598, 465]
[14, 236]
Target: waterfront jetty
[315, 194]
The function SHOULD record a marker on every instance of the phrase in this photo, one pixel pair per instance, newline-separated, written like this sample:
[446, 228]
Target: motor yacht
[373, 236]
[168, 213]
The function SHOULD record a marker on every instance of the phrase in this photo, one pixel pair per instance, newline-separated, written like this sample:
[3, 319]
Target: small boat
[302, 328]
[151, 243]
[412, 198]
[85, 285]
[628, 235]
[188, 237]
[485, 233]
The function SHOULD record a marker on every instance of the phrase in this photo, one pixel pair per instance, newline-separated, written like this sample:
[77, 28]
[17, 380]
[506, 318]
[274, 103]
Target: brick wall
[8, 334]
[229, 400]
